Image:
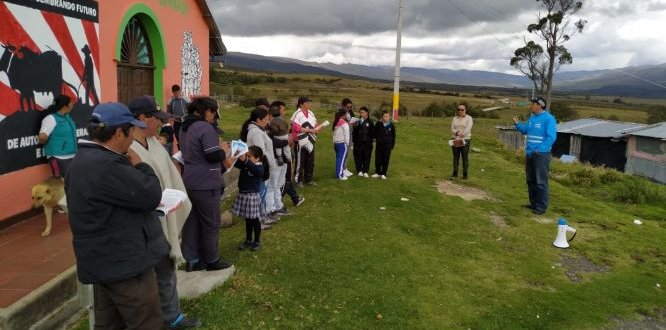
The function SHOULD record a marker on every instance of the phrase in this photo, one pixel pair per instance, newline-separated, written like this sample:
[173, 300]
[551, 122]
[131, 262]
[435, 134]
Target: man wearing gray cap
[117, 237]
[150, 150]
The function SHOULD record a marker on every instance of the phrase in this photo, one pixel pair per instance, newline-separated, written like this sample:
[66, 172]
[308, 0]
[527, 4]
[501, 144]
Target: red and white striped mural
[49, 48]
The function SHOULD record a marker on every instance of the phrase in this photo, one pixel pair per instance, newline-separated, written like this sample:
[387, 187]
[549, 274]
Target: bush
[584, 177]
[656, 114]
[639, 192]
[563, 111]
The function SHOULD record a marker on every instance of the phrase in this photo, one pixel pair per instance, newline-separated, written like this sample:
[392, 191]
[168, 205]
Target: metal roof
[598, 127]
[657, 131]
[216, 46]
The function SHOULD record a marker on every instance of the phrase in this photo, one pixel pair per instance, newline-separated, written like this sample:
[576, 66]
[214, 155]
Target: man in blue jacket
[117, 235]
[541, 132]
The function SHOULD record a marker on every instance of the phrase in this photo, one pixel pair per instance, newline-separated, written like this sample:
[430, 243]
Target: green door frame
[151, 23]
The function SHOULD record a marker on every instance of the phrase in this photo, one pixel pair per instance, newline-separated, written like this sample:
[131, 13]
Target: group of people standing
[360, 133]
[114, 182]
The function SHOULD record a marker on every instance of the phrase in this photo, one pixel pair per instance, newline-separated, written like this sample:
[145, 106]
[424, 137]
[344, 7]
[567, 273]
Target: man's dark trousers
[536, 172]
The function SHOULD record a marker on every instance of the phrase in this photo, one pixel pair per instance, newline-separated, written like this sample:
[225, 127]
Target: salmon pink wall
[174, 17]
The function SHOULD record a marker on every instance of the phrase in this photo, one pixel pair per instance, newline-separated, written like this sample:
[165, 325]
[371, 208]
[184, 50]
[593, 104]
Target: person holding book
[116, 234]
[254, 170]
[304, 131]
[151, 151]
[203, 154]
[385, 137]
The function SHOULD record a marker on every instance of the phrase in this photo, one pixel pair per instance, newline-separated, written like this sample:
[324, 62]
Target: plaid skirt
[248, 206]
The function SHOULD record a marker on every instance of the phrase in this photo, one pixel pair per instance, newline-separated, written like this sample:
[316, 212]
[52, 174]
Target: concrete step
[47, 307]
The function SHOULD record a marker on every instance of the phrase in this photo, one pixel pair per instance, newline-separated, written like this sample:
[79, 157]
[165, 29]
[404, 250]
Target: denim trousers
[536, 173]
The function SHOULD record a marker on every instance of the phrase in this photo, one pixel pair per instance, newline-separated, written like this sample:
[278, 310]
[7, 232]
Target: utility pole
[396, 77]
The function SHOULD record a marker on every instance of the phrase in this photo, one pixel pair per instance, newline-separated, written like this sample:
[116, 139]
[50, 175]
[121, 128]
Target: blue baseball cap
[115, 114]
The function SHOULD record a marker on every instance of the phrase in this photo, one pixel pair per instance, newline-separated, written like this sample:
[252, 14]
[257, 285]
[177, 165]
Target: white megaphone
[562, 229]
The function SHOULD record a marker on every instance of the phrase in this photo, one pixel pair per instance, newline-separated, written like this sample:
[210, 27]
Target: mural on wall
[191, 80]
[49, 48]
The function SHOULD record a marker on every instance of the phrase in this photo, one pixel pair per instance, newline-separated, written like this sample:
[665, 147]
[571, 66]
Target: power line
[643, 79]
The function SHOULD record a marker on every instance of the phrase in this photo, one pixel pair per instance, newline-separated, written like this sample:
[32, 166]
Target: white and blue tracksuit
[341, 145]
[541, 132]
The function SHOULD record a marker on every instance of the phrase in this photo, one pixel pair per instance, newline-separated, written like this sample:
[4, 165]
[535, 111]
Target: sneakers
[360, 174]
[184, 322]
[283, 212]
[347, 172]
[383, 177]
[194, 266]
[218, 265]
[311, 183]
[245, 245]
[300, 185]
[376, 175]
[343, 178]
[271, 219]
[265, 227]
[365, 175]
[256, 246]
[300, 201]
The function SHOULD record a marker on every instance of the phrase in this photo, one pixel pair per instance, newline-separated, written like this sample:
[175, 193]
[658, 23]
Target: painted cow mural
[49, 48]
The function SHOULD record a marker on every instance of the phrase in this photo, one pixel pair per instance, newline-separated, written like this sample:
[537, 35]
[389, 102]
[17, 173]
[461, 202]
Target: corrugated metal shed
[657, 131]
[597, 127]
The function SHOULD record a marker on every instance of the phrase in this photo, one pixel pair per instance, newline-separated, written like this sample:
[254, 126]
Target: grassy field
[438, 261]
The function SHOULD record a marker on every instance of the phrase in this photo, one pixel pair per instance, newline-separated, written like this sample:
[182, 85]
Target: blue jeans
[536, 173]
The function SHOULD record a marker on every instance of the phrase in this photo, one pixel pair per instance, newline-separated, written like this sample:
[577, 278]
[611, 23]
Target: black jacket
[363, 133]
[385, 135]
[251, 176]
[116, 231]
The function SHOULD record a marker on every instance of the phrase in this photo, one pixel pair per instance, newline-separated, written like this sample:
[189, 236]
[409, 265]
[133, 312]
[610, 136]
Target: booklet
[238, 148]
[172, 199]
[179, 157]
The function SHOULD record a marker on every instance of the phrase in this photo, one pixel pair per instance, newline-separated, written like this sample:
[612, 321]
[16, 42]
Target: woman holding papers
[203, 155]
[461, 129]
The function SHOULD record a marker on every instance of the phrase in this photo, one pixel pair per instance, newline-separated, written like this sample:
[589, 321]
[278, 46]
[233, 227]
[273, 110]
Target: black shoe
[527, 206]
[538, 212]
[256, 246]
[465, 177]
[218, 265]
[194, 267]
[299, 202]
[245, 245]
[453, 176]
[185, 322]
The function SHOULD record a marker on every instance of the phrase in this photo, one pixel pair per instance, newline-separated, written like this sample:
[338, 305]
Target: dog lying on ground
[49, 194]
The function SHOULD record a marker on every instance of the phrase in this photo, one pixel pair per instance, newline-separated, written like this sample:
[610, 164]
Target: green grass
[437, 261]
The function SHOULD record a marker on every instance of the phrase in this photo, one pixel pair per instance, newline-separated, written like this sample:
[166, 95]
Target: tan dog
[49, 194]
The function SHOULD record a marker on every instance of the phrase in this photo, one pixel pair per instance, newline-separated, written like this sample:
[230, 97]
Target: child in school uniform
[254, 171]
[340, 143]
[385, 137]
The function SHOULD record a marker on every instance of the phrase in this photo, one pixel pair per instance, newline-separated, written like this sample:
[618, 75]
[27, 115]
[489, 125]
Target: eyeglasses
[461, 109]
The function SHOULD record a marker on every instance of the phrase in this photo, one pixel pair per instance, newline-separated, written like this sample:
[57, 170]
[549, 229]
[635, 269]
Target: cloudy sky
[453, 34]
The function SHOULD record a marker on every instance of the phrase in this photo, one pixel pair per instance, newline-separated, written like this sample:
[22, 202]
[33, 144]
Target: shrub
[639, 192]
[656, 114]
[563, 111]
[584, 177]
[609, 175]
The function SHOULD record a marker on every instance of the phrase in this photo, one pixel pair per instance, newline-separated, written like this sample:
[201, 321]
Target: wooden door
[135, 68]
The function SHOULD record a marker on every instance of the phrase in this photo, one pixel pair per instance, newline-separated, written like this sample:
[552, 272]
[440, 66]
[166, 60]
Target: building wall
[171, 19]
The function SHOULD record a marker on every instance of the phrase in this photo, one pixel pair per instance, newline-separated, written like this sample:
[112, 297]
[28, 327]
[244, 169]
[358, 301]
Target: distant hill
[619, 82]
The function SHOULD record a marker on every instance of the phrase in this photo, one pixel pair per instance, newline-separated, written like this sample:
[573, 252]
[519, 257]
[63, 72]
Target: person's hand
[515, 119]
[133, 157]
[228, 162]
[225, 146]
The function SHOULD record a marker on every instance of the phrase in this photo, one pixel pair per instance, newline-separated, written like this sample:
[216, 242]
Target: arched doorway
[136, 65]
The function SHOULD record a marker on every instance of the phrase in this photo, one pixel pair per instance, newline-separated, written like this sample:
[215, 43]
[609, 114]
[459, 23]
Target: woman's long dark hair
[59, 102]
[256, 114]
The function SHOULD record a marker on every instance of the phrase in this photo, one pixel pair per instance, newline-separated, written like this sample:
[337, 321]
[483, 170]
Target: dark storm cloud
[265, 17]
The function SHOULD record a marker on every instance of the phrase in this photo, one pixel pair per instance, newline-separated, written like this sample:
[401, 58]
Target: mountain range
[639, 81]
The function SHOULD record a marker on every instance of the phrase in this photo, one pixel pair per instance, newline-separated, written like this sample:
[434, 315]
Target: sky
[452, 34]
